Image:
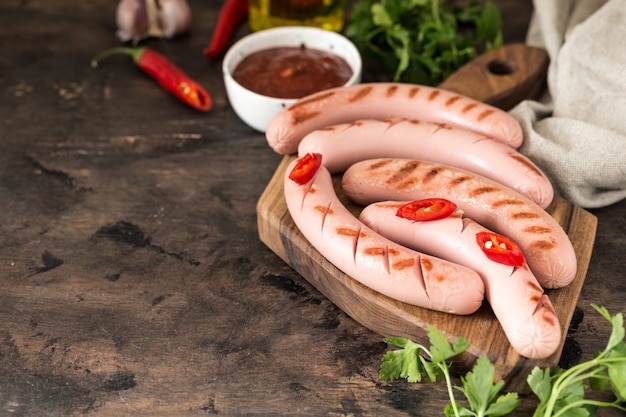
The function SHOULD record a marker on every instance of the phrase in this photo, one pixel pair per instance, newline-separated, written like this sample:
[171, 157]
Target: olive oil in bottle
[324, 14]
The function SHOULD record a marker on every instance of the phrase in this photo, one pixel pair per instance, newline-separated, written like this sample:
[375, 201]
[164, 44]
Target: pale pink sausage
[384, 101]
[344, 144]
[384, 266]
[543, 241]
[516, 298]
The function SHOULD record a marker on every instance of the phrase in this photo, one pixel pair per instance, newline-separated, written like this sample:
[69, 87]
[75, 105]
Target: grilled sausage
[344, 144]
[543, 241]
[384, 266]
[383, 101]
[516, 298]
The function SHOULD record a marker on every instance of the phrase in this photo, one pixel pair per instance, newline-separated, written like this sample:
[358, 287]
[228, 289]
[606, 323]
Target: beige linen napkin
[577, 132]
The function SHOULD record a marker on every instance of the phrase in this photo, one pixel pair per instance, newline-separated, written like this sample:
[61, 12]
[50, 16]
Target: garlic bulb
[140, 19]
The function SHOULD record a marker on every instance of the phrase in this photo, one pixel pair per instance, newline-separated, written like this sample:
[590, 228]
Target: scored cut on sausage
[383, 101]
[344, 144]
[545, 244]
[516, 298]
[378, 263]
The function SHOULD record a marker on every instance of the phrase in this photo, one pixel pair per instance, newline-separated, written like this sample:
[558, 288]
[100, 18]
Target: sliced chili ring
[426, 209]
[500, 249]
[305, 168]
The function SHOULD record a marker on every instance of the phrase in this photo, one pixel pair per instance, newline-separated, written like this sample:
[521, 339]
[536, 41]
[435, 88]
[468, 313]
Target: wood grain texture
[502, 77]
[393, 318]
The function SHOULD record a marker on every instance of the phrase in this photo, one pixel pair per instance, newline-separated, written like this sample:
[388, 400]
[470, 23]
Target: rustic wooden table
[132, 279]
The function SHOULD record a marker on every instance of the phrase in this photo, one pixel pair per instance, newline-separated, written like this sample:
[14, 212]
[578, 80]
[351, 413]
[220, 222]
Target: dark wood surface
[132, 278]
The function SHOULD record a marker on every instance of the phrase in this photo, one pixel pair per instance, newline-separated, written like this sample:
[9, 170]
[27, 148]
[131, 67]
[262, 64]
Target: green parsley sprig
[560, 392]
[422, 41]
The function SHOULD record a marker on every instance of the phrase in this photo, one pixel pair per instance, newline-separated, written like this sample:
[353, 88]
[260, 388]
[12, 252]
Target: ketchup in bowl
[269, 70]
[291, 72]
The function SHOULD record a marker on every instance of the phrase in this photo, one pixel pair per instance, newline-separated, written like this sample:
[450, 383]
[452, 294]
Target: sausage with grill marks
[516, 298]
[347, 143]
[378, 263]
[383, 101]
[543, 241]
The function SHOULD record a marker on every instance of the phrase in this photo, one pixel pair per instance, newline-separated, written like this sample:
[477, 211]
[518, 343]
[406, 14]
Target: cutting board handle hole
[501, 67]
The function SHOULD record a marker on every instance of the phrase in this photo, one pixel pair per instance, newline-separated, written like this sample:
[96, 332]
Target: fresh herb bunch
[422, 41]
[560, 392]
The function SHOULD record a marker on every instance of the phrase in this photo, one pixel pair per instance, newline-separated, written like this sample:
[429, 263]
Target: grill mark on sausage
[524, 161]
[403, 263]
[483, 190]
[484, 114]
[350, 233]
[375, 251]
[305, 102]
[378, 251]
[535, 286]
[328, 128]
[409, 184]
[440, 278]
[537, 230]
[427, 265]
[391, 90]
[452, 100]
[432, 174]
[404, 172]
[312, 189]
[507, 202]
[523, 215]
[459, 180]
[548, 317]
[379, 164]
[303, 116]
[468, 107]
[544, 244]
[347, 231]
[433, 95]
[413, 91]
[360, 94]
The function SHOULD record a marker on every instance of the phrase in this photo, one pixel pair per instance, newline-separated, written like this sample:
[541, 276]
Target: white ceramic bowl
[257, 110]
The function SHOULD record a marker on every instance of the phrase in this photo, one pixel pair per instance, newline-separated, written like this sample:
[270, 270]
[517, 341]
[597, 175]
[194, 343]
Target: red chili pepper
[231, 15]
[305, 168]
[166, 73]
[427, 209]
[500, 249]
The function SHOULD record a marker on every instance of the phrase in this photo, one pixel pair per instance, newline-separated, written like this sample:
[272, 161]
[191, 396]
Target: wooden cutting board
[389, 317]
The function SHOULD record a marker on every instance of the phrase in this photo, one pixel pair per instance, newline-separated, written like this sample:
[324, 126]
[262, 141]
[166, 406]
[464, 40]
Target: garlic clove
[174, 17]
[132, 20]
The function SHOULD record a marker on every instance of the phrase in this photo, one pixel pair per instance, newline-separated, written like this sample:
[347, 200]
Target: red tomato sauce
[291, 72]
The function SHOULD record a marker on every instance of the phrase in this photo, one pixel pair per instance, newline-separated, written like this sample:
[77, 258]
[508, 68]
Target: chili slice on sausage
[305, 168]
[426, 209]
[500, 249]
